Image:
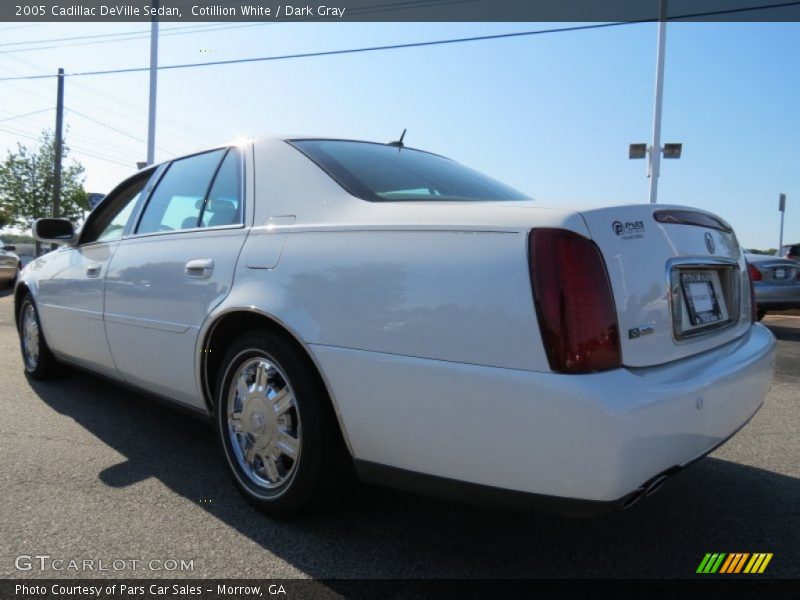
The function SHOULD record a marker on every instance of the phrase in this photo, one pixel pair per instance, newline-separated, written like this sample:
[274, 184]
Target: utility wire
[35, 112]
[72, 148]
[123, 38]
[112, 128]
[110, 150]
[118, 105]
[331, 52]
[141, 32]
[205, 27]
[407, 45]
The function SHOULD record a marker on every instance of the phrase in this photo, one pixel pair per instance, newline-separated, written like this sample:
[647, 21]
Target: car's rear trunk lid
[678, 276]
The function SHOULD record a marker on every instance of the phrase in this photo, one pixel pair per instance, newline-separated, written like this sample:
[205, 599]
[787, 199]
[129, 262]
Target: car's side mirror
[54, 231]
[10, 248]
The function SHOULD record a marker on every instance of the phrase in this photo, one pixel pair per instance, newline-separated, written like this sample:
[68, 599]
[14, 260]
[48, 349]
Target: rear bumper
[785, 296]
[482, 495]
[594, 437]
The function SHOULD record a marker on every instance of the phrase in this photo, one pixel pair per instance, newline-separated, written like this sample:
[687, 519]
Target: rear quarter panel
[449, 295]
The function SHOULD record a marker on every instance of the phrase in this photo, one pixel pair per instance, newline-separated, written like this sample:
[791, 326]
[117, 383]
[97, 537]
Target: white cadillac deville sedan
[332, 303]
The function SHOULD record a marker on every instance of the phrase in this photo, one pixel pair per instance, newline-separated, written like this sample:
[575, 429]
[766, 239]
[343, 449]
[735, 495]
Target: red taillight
[755, 275]
[574, 302]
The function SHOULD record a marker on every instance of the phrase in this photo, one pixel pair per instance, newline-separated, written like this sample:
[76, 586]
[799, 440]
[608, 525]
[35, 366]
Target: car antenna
[399, 143]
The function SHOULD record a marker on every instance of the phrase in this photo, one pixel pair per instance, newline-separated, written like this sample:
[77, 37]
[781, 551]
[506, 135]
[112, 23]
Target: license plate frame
[702, 297]
[780, 274]
[727, 275]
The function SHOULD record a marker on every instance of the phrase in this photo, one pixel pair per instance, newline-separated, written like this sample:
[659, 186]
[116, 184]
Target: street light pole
[655, 148]
[59, 145]
[151, 121]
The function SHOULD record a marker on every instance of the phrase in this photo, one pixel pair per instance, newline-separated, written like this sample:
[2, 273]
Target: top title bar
[400, 10]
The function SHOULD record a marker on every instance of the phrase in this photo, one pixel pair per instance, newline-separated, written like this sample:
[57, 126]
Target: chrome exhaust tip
[632, 498]
[654, 485]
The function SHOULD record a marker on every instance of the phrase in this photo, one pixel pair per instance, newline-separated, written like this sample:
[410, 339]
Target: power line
[100, 35]
[124, 38]
[334, 52]
[205, 27]
[78, 150]
[409, 44]
[72, 148]
[110, 150]
[28, 25]
[35, 112]
[112, 128]
[119, 103]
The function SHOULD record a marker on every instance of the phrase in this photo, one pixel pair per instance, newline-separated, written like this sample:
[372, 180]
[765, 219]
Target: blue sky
[551, 115]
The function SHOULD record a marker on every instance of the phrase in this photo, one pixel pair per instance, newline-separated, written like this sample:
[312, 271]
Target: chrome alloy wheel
[264, 423]
[30, 337]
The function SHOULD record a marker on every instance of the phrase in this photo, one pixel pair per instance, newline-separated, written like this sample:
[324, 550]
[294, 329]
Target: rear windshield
[383, 173]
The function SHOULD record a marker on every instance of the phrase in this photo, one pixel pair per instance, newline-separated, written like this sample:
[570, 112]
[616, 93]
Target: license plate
[701, 298]
[779, 273]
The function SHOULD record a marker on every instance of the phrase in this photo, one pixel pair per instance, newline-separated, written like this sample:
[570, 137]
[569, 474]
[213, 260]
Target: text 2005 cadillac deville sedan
[335, 303]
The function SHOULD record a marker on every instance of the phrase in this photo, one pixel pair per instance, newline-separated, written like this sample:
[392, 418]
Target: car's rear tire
[276, 425]
[761, 313]
[37, 359]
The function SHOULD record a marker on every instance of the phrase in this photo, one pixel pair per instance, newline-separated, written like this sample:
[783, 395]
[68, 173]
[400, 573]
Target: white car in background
[10, 264]
[334, 302]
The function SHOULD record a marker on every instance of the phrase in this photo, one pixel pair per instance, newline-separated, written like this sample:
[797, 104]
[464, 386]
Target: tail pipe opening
[648, 488]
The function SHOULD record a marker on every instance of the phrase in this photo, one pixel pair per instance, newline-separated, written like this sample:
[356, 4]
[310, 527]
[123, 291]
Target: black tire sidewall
[45, 364]
[309, 398]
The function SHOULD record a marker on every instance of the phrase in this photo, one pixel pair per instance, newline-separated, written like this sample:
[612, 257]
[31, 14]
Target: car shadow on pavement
[716, 506]
[784, 333]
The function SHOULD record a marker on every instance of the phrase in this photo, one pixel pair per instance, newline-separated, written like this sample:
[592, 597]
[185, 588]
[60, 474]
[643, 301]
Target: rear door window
[223, 205]
[179, 197]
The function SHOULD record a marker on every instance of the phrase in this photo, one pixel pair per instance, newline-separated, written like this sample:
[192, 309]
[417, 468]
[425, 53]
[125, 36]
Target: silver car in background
[792, 252]
[10, 264]
[776, 281]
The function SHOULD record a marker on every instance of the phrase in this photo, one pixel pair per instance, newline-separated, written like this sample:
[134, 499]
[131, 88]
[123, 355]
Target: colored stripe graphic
[718, 562]
[701, 568]
[730, 564]
[727, 564]
[766, 562]
[736, 558]
[735, 562]
[711, 562]
[758, 563]
[740, 564]
[753, 563]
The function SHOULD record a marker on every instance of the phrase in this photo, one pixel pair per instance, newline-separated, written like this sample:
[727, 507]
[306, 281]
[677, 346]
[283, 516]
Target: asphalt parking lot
[90, 470]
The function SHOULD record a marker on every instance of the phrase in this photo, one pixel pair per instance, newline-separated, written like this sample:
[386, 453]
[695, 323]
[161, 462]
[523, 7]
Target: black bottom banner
[232, 589]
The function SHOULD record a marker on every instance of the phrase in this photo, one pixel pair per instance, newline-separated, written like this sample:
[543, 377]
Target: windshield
[384, 173]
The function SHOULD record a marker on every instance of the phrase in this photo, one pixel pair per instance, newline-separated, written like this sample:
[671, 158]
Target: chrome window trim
[674, 295]
[217, 229]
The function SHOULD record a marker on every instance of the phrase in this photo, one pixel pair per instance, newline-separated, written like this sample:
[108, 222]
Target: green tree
[26, 184]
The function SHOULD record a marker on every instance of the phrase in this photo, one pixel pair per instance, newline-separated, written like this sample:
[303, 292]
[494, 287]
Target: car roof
[751, 257]
[277, 138]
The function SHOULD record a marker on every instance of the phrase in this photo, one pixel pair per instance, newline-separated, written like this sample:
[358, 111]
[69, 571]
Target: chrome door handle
[93, 271]
[200, 268]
